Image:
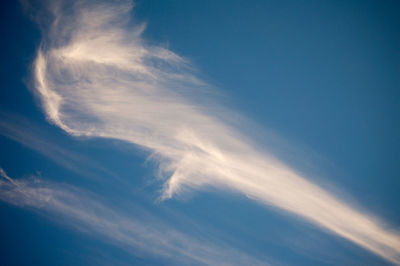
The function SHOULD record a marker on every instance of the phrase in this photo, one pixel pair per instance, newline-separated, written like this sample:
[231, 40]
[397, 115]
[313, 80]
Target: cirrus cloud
[96, 76]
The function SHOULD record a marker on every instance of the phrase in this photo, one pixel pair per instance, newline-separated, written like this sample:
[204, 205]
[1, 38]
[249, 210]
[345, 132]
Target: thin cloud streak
[145, 238]
[95, 76]
[15, 127]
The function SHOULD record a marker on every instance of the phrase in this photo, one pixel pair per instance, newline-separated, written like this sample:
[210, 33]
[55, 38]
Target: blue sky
[191, 133]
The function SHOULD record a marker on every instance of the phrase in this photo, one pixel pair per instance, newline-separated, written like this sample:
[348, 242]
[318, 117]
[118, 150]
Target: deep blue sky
[324, 75]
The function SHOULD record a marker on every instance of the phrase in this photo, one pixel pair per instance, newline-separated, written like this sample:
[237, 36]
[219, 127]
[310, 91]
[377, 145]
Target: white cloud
[95, 76]
[146, 236]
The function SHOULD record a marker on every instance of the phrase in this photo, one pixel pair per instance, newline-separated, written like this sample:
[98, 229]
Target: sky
[200, 132]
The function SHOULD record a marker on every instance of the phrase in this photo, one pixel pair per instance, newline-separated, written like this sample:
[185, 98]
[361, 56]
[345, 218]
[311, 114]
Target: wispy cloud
[142, 237]
[4, 175]
[30, 135]
[96, 76]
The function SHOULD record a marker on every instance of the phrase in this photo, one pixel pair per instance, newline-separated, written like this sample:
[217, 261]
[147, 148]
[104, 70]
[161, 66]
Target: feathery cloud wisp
[142, 237]
[15, 128]
[97, 77]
